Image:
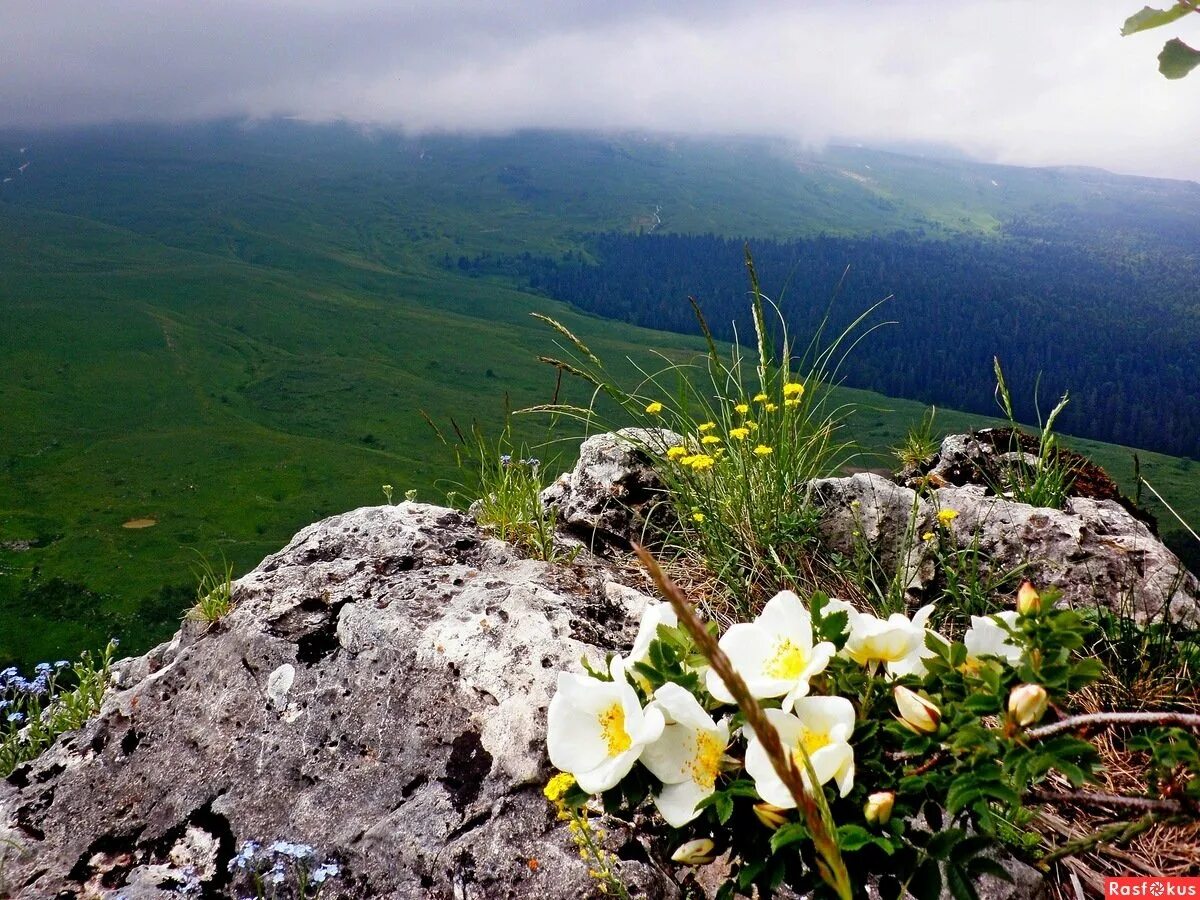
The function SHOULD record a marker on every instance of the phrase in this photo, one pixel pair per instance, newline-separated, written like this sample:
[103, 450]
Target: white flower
[687, 757]
[598, 729]
[914, 663]
[822, 726]
[653, 615]
[986, 637]
[896, 641]
[774, 654]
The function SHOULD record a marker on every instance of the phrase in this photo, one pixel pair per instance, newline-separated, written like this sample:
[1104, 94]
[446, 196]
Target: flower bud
[879, 807]
[1029, 601]
[916, 713]
[695, 853]
[773, 817]
[1027, 703]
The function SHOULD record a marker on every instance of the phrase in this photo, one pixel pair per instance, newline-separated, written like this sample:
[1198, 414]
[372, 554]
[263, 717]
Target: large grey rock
[1094, 551]
[379, 692]
[614, 494]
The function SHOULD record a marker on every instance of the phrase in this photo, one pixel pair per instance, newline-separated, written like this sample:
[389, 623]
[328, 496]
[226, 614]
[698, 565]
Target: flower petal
[677, 802]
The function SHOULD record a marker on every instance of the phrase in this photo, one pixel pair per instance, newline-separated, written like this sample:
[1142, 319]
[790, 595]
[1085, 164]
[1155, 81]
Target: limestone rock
[1094, 551]
[613, 493]
[379, 692]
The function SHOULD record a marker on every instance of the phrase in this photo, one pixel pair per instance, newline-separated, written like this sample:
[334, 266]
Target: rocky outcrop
[378, 693]
[1094, 551]
[613, 494]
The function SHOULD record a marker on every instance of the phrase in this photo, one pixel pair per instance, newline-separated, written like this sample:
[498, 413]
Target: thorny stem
[1105, 719]
[834, 872]
[1111, 834]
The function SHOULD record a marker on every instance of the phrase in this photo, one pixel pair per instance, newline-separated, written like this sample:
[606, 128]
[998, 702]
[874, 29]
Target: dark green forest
[1119, 330]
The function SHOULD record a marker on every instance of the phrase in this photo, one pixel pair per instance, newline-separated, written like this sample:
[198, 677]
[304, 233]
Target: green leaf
[791, 833]
[983, 865]
[926, 883]
[854, 837]
[1177, 59]
[943, 842]
[1149, 17]
[959, 884]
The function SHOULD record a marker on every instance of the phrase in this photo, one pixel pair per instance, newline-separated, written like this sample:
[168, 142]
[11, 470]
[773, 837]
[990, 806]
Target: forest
[1117, 328]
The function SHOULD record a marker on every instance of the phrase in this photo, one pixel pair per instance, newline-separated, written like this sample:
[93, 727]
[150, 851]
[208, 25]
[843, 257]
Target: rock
[378, 692]
[1094, 551]
[614, 493]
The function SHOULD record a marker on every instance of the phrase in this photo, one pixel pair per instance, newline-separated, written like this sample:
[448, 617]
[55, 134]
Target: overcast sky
[1046, 82]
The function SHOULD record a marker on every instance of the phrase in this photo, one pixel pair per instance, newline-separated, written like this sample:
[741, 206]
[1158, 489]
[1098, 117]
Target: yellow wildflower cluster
[742, 408]
[677, 452]
[763, 450]
[601, 863]
[698, 461]
[698, 516]
[706, 426]
[760, 397]
[793, 389]
[654, 408]
[710, 439]
[739, 433]
[946, 516]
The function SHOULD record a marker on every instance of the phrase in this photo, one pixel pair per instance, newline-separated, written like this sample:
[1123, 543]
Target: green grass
[236, 349]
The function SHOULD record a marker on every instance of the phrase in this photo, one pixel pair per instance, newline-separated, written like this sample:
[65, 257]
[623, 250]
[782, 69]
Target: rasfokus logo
[1152, 887]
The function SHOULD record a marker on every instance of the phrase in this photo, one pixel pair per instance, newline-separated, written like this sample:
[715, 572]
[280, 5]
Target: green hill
[233, 332]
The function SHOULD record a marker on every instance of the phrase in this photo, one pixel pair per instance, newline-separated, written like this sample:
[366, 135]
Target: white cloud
[1012, 80]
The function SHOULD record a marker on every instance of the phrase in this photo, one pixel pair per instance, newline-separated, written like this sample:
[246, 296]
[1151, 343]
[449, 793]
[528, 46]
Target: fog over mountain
[1006, 80]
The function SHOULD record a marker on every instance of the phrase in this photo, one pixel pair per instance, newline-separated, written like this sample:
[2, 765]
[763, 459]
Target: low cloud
[1009, 80]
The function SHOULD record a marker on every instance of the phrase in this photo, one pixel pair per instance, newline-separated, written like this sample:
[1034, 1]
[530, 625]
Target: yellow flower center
[811, 741]
[706, 764]
[788, 662]
[612, 724]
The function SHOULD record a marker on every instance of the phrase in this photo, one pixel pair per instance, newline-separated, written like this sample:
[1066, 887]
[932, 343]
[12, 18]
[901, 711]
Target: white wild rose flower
[822, 726]
[687, 757]
[653, 615]
[897, 641]
[598, 729]
[774, 654]
[987, 637]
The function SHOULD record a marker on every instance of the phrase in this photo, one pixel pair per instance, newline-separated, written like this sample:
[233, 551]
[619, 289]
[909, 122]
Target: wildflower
[42, 668]
[676, 452]
[16, 717]
[897, 642]
[710, 439]
[61, 664]
[927, 536]
[706, 426]
[770, 815]
[702, 461]
[244, 856]
[739, 433]
[506, 459]
[989, 636]
[917, 714]
[654, 408]
[946, 516]
[597, 729]
[557, 787]
[771, 407]
[751, 424]
[742, 408]
[793, 389]
[1029, 601]
[695, 853]
[822, 727]
[698, 516]
[791, 403]
[687, 757]
[879, 807]
[774, 654]
[1027, 703]
[654, 615]
[760, 397]
[763, 450]
[326, 871]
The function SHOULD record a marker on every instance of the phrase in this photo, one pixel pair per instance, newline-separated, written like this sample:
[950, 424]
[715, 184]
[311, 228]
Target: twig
[834, 872]
[1109, 801]
[1105, 719]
